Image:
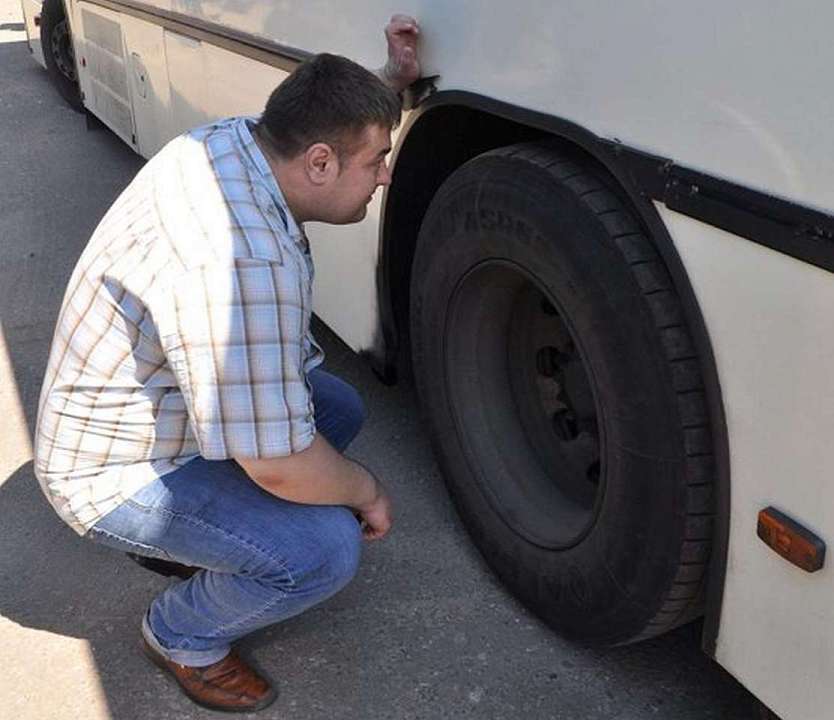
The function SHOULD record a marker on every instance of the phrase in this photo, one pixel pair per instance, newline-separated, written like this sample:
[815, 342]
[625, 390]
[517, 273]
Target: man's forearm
[318, 475]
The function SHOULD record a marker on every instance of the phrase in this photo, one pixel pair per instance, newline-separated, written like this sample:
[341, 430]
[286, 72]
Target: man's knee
[354, 414]
[340, 549]
[348, 418]
[324, 557]
[340, 411]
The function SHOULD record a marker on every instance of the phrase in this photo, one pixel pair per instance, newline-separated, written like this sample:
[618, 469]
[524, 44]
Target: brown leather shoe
[229, 685]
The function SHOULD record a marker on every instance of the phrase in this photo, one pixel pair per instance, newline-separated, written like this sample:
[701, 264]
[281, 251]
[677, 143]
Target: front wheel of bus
[58, 52]
[563, 395]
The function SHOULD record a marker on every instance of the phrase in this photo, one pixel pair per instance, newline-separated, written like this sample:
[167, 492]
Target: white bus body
[737, 92]
[31, 20]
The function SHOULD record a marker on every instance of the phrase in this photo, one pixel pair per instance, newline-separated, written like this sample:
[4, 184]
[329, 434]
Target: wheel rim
[524, 404]
[62, 51]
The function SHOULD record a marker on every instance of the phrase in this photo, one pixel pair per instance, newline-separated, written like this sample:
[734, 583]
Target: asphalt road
[424, 631]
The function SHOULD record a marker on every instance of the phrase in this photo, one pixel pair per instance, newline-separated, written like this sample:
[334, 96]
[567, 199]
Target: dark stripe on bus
[787, 227]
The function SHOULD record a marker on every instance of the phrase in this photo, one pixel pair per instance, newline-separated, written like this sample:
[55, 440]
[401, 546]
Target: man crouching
[184, 414]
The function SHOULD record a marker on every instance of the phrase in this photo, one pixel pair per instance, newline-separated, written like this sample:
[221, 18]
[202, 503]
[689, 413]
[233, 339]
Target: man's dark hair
[326, 99]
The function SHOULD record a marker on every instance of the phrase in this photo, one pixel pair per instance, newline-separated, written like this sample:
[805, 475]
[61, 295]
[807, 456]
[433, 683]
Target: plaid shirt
[185, 329]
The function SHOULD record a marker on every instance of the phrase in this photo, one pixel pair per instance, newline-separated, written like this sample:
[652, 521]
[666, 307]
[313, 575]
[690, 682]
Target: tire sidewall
[608, 585]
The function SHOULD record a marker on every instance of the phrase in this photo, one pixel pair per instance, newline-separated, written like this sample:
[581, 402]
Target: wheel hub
[62, 51]
[524, 403]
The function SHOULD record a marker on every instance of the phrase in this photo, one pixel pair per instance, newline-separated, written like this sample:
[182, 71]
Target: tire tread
[683, 599]
[655, 283]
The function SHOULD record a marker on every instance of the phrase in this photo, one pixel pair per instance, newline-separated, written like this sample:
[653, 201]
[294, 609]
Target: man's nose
[384, 176]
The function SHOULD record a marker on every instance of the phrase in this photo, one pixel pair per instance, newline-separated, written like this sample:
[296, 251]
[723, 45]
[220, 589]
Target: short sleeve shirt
[184, 330]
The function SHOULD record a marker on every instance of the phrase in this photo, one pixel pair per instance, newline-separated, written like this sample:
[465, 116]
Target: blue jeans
[265, 559]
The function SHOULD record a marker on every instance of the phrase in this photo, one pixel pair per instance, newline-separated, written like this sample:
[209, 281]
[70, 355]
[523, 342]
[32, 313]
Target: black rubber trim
[252, 46]
[789, 228]
[629, 168]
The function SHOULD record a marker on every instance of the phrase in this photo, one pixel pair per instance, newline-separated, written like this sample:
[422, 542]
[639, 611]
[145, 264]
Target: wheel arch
[451, 127]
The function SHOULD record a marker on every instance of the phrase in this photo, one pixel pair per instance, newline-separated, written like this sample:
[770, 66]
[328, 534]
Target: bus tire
[563, 394]
[59, 54]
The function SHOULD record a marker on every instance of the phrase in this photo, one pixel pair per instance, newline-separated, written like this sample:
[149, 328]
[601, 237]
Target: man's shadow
[55, 581]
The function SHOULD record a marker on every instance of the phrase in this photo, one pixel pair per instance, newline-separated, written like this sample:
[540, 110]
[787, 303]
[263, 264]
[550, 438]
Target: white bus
[607, 248]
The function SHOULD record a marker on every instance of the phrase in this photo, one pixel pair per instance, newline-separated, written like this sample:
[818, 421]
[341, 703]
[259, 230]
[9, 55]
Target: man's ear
[321, 163]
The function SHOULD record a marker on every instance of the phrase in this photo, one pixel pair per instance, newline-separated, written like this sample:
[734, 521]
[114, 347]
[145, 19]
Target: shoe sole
[159, 662]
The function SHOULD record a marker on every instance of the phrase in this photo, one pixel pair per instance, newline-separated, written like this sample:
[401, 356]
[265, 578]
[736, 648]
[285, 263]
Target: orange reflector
[793, 542]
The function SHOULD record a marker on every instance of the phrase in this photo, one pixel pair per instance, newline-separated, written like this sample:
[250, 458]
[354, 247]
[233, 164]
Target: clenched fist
[403, 67]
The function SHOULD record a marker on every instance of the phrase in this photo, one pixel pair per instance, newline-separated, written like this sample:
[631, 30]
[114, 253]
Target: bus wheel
[563, 394]
[58, 52]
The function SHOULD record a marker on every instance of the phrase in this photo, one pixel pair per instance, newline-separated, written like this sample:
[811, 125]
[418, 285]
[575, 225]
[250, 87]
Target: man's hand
[320, 475]
[403, 67]
[376, 516]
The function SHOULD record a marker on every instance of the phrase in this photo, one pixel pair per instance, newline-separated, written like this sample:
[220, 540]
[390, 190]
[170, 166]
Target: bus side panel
[769, 319]
[187, 75]
[179, 82]
[102, 68]
[31, 10]
[150, 89]
[236, 85]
